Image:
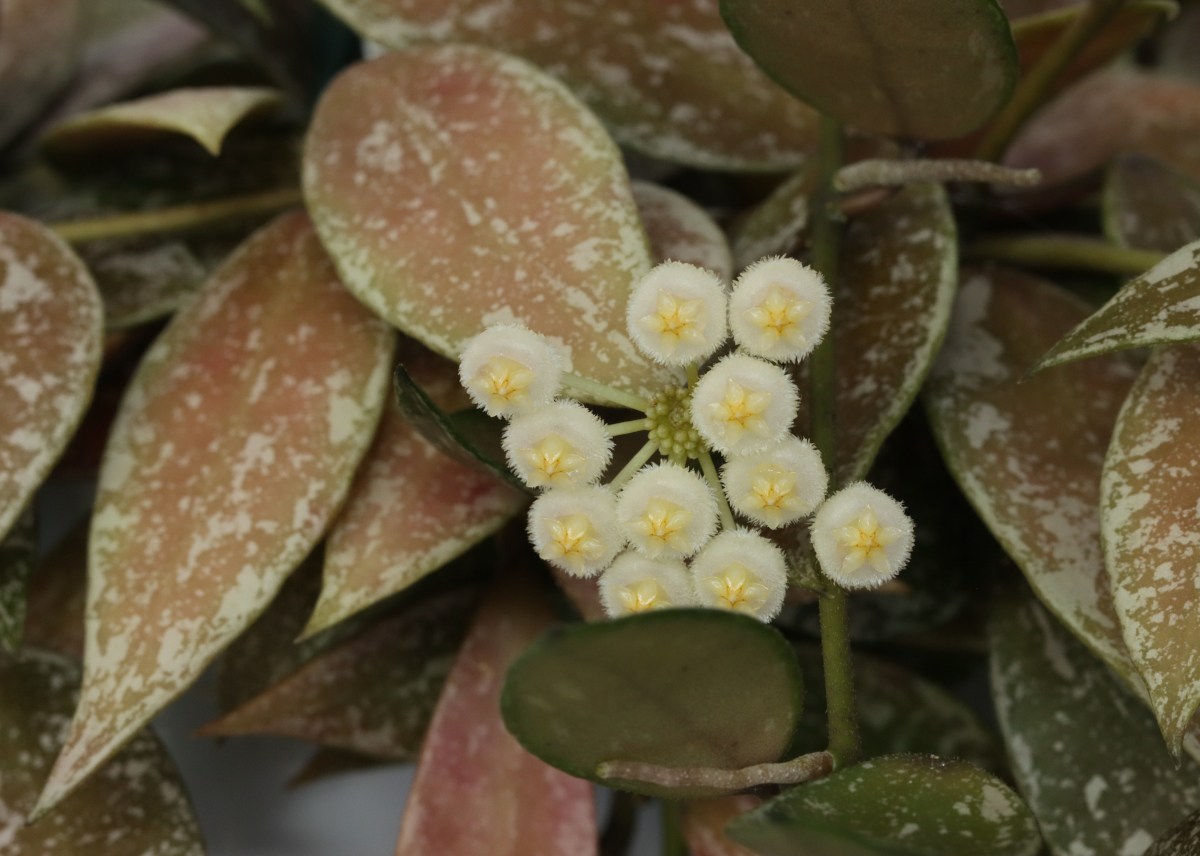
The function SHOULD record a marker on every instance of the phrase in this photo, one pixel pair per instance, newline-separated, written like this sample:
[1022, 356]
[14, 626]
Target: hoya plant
[782, 412]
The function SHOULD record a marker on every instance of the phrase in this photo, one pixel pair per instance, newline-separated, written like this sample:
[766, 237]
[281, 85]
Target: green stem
[841, 709]
[693, 375]
[630, 427]
[710, 475]
[635, 463]
[602, 392]
[673, 843]
[1061, 252]
[1036, 87]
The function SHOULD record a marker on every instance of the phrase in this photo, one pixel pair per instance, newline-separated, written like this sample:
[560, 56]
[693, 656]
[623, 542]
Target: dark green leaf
[18, 550]
[678, 688]
[1150, 206]
[1181, 840]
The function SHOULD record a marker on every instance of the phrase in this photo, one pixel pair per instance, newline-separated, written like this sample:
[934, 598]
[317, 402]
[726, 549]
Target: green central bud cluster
[670, 418]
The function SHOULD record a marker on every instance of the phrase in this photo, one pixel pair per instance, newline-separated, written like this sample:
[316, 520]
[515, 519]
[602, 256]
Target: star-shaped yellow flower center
[779, 316]
[663, 525]
[738, 589]
[675, 321]
[864, 541]
[553, 460]
[574, 541]
[642, 597]
[504, 381]
[741, 410]
[773, 494]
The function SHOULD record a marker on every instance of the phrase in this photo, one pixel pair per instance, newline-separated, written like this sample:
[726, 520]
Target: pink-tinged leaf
[411, 509]
[51, 339]
[135, 806]
[680, 230]
[206, 114]
[234, 447]
[1148, 516]
[1107, 114]
[704, 825]
[476, 790]
[665, 77]
[1149, 206]
[456, 187]
[37, 57]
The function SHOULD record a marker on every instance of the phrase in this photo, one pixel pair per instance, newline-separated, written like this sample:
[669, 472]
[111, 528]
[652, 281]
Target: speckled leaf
[1086, 754]
[1148, 503]
[51, 335]
[776, 226]
[898, 805]
[206, 114]
[235, 446]
[457, 187]
[1109, 113]
[1149, 206]
[1181, 840]
[142, 280]
[1160, 307]
[445, 505]
[37, 57]
[680, 230]
[704, 825]
[710, 689]
[18, 551]
[926, 69]
[665, 77]
[134, 806]
[476, 790]
[58, 597]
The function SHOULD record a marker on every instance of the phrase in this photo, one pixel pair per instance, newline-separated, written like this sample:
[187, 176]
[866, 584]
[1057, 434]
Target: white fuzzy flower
[667, 510]
[780, 309]
[778, 486]
[862, 536]
[635, 584]
[742, 571]
[508, 369]
[744, 405]
[676, 313]
[576, 529]
[562, 444]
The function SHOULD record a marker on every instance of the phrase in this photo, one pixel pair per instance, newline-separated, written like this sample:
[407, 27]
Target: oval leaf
[51, 340]
[680, 230]
[1149, 206]
[666, 78]
[37, 57]
[456, 187]
[678, 688]
[135, 806]
[926, 69]
[1058, 705]
[899, 805]
[235, 445]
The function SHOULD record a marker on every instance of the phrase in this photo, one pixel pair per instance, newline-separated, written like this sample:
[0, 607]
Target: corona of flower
[861, 536]
[779, 486]
[780, 310]
[744, 405]
[562, 445]
[636, 584]
[508, 370]
[742, 571]
[667, 510]
[576, 529]
[676, 313]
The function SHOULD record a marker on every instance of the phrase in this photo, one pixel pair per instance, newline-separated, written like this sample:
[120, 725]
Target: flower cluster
[663, 534]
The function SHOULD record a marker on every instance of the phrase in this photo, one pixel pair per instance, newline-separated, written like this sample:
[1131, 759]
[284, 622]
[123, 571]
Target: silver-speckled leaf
[775, 227]
[456, 187]
[51, 337]
[680, 230]
[1149, 206]
[18, 551]
[134, 806]
[1181, 840]
[235, 445]
[38, 42]
[1086, 754]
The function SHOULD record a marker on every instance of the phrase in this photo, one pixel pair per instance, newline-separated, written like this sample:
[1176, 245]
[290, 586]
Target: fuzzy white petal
[676, 313]
[576, 529]
[862, 537]
[562, 444]
[636, 583]
[778, 486]
[743, 571]
[667, 511]
[508, 370]
[780, 309]
[744, 405]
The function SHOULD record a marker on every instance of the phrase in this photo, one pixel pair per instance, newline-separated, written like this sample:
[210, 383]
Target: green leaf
[924, 69]
[473, 245]
[677, 688]
[51, 336]
[1086, 754]
[235, 446]
[680, 230]
[134, 806]
[897, 805]
[1181, 840]
[38, 45]
[1160, 307]
[18, 551]
[777, 225]
[1149, 206]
